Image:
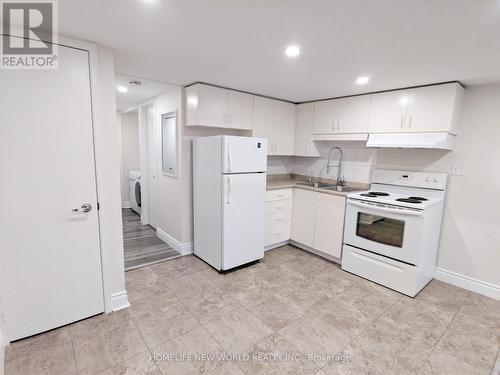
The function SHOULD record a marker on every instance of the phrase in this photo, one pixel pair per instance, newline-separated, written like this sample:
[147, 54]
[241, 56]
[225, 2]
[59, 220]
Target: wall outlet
[458, 170]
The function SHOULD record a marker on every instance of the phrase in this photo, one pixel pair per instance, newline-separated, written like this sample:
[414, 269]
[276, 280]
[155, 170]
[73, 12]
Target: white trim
[181, 248]
[119, 301]
[469, 283]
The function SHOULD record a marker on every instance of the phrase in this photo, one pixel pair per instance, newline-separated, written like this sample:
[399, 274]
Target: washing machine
[134, 178]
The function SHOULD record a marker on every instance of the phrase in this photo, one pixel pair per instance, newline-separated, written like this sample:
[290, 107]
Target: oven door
[393, 231]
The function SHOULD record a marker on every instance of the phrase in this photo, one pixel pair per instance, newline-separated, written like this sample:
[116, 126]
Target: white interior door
[244, 218]
[50, 265]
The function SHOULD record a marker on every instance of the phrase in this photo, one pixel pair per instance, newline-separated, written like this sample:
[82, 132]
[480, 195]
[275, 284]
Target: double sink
[327, 186]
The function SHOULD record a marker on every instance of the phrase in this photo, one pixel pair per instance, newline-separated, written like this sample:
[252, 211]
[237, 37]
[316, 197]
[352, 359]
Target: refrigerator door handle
[230, 159]
[229, 190]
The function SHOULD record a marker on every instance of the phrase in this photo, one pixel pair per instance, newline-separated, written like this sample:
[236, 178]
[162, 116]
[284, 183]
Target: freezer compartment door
[244, 217]
[244, 154]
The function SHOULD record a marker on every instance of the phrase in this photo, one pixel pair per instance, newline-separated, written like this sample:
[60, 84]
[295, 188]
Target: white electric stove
[391, 233]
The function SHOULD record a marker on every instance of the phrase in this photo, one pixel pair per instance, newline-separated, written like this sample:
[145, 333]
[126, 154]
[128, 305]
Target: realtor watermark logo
[29, 34]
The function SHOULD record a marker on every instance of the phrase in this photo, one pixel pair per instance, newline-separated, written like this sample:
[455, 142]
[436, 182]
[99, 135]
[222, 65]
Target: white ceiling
[240, 44]
[137, 94]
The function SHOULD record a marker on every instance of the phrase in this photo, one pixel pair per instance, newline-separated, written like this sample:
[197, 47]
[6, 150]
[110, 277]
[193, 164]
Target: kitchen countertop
[288, 183]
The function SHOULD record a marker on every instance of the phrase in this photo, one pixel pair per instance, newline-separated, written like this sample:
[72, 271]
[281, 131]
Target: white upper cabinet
[275, 120]
[423, 109]
[304, 145]
[388, 112]
[434, 108]
[342, 116]
[239, 110]
[263, 120]
[284, 128]
[217, 107]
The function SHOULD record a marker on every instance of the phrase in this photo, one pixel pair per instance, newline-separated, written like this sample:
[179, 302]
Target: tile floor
[292, 313]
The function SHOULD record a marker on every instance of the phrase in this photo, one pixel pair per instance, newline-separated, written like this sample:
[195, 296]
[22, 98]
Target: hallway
[141, 245]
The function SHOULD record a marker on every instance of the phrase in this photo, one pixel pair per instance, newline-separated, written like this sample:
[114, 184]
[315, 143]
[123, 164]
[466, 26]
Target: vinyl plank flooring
[141, 245]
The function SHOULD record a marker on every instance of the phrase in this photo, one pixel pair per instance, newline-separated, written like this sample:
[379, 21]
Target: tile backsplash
[357, 162]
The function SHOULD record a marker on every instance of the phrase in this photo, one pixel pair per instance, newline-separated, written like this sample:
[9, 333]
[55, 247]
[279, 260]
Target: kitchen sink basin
[345, 189]
[327, 186]
[322, 185]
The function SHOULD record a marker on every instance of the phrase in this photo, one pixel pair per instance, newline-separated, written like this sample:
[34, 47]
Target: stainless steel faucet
[340, 180]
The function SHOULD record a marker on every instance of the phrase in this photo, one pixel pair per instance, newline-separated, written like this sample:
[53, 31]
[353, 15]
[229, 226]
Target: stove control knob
[427, 179]
[436, 180]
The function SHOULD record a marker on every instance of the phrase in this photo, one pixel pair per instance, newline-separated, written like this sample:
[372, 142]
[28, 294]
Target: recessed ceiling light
[122, 88]
[362, 80]
[292, 51]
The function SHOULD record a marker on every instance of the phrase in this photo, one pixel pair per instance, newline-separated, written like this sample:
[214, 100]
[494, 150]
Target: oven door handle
[384, 208]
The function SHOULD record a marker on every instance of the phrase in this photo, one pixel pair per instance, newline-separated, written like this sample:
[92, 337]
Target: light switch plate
[458, 170]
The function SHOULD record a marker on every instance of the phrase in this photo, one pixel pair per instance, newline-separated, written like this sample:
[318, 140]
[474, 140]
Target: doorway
[139, 170]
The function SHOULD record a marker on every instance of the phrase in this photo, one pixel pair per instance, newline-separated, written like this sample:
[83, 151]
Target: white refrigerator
[229, 189]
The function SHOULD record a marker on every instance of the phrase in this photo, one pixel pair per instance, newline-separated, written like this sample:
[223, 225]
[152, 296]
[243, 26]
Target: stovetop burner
[378, 193]
[369, 195]
[422, 199]
[409, 200]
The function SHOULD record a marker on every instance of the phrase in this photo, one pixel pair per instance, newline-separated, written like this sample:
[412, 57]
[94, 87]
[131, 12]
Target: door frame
[148, 167]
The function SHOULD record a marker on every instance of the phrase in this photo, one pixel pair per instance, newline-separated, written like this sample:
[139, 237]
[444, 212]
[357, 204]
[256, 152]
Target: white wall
[470, 240]
[170, 190]
[130, 151]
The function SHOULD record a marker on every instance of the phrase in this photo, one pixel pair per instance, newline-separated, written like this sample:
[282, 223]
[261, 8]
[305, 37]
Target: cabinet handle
[409, 121]
[333, 125]
[338, 124]
[402, 121]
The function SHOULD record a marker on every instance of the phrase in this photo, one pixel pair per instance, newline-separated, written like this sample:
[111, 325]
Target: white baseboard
[181, 248]
[126, 204]
[469, 283]
[276, 245]
[119, 301]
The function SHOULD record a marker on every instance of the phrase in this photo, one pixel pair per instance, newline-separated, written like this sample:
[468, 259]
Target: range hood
[438, 141]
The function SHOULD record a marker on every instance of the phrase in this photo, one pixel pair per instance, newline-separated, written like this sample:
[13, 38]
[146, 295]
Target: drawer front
[278, 195]
[277, 233]
[390, 273]
[278, 206]
[279, 217]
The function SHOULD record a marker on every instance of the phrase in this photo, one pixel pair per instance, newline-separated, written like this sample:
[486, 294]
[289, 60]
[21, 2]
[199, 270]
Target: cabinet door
[353, 116]
[326, 117]
[303, 216]
[304, 145]
[284, 128]
[431, 109]
[388, 112]
[211, 106]
[239, 110]
[263, 121]
[329, 224]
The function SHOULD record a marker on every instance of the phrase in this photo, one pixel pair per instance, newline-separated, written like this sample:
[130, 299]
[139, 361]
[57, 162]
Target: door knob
[86, 207]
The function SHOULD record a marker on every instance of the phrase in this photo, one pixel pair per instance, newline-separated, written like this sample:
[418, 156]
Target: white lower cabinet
[303, 214]
[329, 224]
[318, 221]
[278, 216]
